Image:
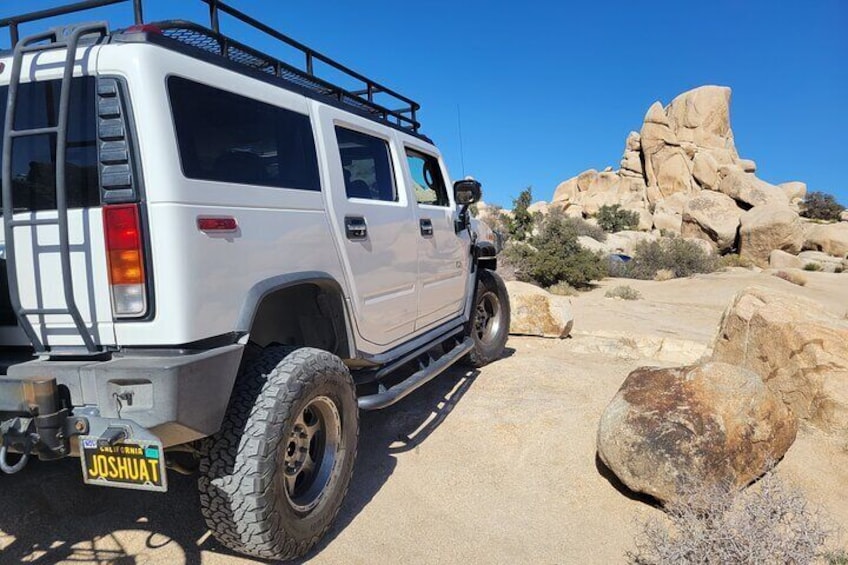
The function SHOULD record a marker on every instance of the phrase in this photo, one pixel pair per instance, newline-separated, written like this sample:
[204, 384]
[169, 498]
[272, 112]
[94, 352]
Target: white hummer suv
[212, 259]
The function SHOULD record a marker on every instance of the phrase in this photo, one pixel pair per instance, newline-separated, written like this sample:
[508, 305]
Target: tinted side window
[229, 138]
[367, 166]
[429, 186]
[34, 157]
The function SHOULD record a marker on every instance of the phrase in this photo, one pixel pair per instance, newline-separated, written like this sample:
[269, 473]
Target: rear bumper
[177, 397]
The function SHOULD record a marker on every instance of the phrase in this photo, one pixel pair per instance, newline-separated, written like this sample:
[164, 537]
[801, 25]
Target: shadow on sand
[48, 515]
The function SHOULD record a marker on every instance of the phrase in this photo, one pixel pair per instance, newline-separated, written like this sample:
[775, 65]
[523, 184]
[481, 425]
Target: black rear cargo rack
[305, 76]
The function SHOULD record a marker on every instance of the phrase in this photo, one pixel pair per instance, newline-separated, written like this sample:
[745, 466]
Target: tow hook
[17, 467]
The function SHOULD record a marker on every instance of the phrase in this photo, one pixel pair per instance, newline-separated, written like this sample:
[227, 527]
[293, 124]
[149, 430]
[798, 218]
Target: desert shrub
[770, 522]
[582, 227]
[821, 206]
[521, 224]
[735, 260]
[838, 270]
[664, 275]
[836, 557]
[812, 267]
[624, 292]
[681, 257]
[554, 256]
[613, 218]
[791, 276]
[562, 288]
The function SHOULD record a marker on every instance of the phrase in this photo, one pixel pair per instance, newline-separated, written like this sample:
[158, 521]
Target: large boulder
[748, 189]
[566, 191]
[712, 216]
[537, 312]
[829, 238]
[705, 170]
[666, 165]
[763, 229]
[798, 348]
[702, 116]
[672, 429]
[668, 213]
[627, 240]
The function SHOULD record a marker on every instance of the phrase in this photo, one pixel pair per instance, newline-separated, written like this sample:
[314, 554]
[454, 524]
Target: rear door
[375, 224]
[37, 266]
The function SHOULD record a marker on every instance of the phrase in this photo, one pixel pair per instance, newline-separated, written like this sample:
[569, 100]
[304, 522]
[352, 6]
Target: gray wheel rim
[487, 318]
[312, 453]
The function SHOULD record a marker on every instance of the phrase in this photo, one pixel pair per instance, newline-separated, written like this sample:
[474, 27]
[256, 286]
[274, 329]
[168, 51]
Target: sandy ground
[495, 466]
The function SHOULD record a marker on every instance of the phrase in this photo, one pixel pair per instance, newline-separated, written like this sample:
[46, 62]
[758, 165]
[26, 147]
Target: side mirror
[467, 192]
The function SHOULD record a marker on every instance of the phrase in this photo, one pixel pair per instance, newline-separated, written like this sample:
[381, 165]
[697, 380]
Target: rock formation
[683, 175]
[669, 429]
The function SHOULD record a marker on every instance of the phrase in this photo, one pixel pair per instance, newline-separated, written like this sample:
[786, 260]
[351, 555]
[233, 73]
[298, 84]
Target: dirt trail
[497, 466]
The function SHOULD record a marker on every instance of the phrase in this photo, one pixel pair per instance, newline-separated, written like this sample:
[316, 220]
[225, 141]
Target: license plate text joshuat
[132, 464]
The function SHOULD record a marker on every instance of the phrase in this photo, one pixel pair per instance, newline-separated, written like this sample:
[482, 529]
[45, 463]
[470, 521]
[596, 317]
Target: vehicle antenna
[461, 152]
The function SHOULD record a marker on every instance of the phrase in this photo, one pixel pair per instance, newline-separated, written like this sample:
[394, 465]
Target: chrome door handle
[355, 228]
[426, 227]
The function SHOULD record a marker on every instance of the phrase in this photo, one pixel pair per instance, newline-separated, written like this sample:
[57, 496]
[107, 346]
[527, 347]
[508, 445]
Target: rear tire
[489, 319]
[273, 479]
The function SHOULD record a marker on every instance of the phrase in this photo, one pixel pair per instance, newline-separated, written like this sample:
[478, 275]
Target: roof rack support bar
[13, 33]
[138, 12]
[213, 16]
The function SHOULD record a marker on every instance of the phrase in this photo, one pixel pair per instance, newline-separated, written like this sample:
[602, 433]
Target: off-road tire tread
[489, 280]
[237, 492]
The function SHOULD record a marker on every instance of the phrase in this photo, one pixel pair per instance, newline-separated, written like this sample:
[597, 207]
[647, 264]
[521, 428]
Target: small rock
[782, 260]
[794, 189]
[747, 165]
[698, 425]
[535, 311]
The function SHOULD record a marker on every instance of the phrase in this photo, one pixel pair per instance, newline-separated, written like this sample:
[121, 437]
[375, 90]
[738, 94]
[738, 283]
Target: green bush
[555, 256]
[582, 227]
[614, 218]
[821, 206]
[521, 225]
[681, 257]
[812, 267]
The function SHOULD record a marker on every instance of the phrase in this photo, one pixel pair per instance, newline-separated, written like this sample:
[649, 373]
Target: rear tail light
[125, 255]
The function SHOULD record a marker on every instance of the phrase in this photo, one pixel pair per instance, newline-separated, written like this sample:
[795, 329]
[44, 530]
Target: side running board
[430, 368]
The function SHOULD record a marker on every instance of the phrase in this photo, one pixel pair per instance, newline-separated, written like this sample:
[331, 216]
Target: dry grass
[623, 292]
[664, 275]
[769, 522]
[562, 288]
[791, 276]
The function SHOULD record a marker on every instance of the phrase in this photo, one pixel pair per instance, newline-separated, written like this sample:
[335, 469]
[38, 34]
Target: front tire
[274, 478]
[489, 319]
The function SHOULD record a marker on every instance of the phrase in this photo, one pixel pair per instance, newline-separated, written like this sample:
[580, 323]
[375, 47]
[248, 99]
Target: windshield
[34, 157]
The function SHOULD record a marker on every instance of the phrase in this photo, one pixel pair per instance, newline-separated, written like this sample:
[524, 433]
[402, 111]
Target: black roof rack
[305, 76]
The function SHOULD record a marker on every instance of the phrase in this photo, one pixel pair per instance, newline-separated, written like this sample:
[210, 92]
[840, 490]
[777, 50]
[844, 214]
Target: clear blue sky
[547, 89]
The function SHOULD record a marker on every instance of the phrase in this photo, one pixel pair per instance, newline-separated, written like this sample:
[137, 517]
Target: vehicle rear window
[34, 157]
[230, 138]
